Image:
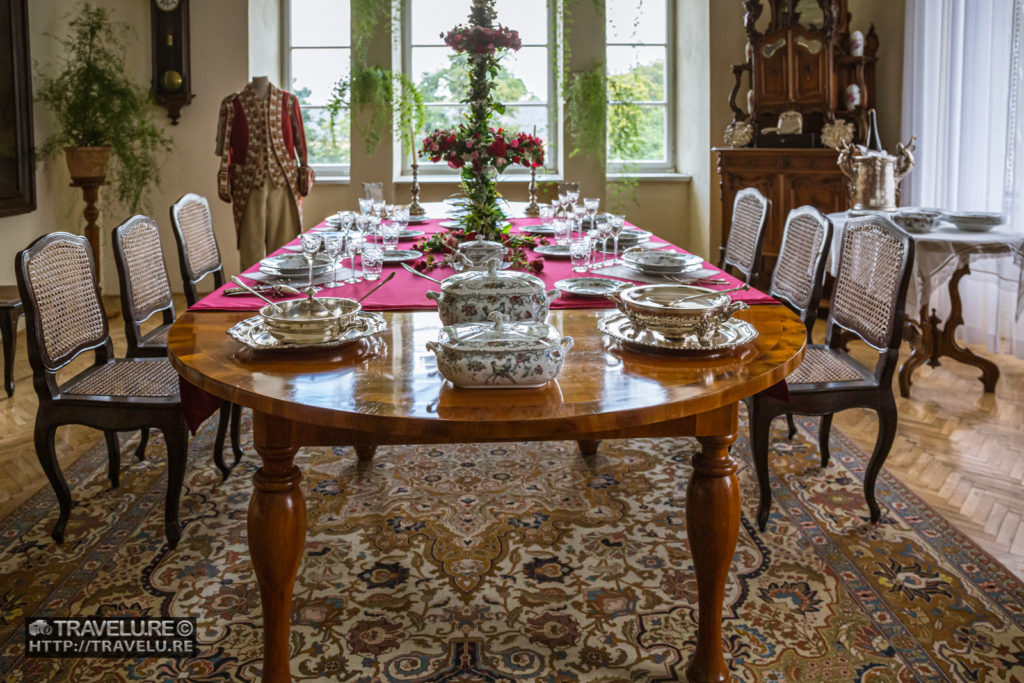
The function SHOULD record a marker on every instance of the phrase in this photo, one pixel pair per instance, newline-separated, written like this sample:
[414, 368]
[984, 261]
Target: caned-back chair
[199, 256]
[64, 318]
[742, 249]
[868, 302]
[146, 291]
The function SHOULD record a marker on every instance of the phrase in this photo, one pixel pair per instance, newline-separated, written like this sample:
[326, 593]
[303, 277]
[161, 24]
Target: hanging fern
[586, 107]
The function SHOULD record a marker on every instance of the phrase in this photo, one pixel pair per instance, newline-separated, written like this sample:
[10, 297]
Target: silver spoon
[698, 295]
[382, 283]
[238, 281]
[416, 272]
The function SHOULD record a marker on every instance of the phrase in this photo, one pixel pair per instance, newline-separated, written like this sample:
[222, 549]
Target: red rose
[497, 148]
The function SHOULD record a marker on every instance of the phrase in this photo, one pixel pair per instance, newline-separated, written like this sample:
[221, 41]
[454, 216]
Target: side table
[10, 313]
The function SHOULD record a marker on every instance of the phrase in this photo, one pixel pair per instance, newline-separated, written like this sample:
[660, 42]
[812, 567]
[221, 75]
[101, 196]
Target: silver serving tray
[731, 334]
[595, 287]
[401, 255]
[252, 332]
[553, 250]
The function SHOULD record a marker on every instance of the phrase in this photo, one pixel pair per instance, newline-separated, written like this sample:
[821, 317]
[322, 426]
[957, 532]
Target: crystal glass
[546, 213]
[401, 217]
[351, 243]
[378, 208]
[579, 253]
[348, 219]
[373, 261]
[310, 245]
[616, 222]
[600, 230]
[389, 234]
[590, 205]
[573, 196]
[563, 203]
[365, 205]
[333, 246]
[563, 228]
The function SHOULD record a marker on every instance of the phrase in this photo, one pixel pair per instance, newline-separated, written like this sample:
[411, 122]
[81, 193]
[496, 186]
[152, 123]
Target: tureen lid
[498, 334]
[490, 280]
[675, 297]
[480, 249]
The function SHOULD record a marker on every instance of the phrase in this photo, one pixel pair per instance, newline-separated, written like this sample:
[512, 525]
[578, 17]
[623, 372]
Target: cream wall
[220, 65]
[710, 39]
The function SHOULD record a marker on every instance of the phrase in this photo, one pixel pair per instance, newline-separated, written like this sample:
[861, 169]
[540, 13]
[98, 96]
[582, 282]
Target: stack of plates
[294, 266]
[658, 262]
[974, 221]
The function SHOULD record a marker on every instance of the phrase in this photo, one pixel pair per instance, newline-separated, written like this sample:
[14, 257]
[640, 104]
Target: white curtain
[962, 80]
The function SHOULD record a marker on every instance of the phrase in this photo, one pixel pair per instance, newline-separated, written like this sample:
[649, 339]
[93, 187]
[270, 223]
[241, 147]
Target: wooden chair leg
[140, 450]
[176, 436]
[218, 441]
[760, 432]
[9, 332]
[887, 421]
[824, 430]
[236, 432]
[113, 458]
[791, 426]
[47, 455]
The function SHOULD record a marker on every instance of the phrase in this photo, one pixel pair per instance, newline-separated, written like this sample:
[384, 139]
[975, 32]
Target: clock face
[168, 5]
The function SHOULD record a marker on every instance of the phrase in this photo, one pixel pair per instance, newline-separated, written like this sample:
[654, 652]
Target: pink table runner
[408, 292]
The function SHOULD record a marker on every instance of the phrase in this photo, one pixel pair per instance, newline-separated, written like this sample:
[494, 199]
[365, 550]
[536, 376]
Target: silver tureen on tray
[472, 296]
[676, 311]
[498, 353]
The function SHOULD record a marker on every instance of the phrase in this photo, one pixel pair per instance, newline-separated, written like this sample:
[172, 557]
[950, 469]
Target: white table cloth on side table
[944, 256]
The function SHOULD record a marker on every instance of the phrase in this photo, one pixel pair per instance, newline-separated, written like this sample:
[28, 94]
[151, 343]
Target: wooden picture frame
[17, 154]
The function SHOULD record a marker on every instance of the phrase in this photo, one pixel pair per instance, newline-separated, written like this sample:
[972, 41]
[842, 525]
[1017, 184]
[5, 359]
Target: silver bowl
[306, 321]
[661, 309]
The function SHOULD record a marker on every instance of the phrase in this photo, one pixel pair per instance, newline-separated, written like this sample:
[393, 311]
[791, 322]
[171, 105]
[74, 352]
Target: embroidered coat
[248, 126]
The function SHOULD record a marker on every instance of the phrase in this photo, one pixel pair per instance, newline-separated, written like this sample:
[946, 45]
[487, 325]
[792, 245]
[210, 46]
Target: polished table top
[390, 383]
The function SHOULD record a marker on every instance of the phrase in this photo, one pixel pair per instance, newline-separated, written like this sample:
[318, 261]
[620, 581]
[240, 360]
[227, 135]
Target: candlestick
[533, 209]
[415, 208]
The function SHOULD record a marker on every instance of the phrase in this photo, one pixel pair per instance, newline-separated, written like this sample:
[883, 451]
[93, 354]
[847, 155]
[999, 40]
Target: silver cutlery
[700, 295]
[416, 272]
[238, 281]
[382, 283]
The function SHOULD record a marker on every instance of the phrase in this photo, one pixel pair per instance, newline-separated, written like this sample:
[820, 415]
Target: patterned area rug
[519, 563]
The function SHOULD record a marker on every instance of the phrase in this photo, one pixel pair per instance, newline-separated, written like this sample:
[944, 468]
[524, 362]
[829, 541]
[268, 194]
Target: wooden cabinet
[789, 178]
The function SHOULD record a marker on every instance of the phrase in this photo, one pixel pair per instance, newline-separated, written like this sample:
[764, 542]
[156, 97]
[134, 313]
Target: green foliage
[366, 15]
[586, 105]
[96, 104]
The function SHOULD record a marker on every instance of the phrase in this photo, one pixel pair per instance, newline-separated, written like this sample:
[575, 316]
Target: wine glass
[573, 195]
[310, 245]
[616, 222]
[600, 231]
[590, 205]
[563, 203]
[365, 205]
[333, 245]
[348, 219]
[349, 250]
[377, 208]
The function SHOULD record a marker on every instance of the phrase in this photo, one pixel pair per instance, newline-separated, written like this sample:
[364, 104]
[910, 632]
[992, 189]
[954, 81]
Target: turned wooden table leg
[713, 524]
[277, 537]
[588, 447]
[365, 451]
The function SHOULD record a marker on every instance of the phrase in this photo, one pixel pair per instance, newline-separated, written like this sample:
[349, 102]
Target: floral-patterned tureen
[471, 296]
[474, 255]
[499, 353]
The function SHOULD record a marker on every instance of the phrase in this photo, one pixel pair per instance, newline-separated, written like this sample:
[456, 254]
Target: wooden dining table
[387, 390]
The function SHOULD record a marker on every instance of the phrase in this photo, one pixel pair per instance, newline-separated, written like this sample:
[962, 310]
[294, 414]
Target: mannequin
[263, 166]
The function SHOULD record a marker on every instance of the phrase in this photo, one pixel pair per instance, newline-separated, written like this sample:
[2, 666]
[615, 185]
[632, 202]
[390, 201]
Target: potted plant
[102, 116]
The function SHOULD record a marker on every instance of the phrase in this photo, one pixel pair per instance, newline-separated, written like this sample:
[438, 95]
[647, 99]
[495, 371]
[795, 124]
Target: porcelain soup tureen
[470, 297]
[498, 353]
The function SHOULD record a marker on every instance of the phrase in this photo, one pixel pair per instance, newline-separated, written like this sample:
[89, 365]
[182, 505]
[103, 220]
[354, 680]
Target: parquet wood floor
[958, 448]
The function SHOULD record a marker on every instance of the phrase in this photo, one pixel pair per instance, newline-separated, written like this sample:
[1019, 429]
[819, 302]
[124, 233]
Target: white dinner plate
[401, 255]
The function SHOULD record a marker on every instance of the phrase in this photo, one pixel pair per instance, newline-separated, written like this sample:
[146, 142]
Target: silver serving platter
[731, 334]
[290, 264]
[655, 262]
[553, 250]
[252, 332]
[596, 287]
[545, 229]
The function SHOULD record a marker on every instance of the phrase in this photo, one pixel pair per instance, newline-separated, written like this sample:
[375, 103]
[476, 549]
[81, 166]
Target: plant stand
[91, 195]
[415, 208]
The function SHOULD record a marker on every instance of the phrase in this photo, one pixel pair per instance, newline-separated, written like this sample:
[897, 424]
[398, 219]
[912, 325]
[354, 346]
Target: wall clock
[172, 78]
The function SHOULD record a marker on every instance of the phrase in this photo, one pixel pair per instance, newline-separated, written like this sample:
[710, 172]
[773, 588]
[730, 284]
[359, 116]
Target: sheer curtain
[962, 80]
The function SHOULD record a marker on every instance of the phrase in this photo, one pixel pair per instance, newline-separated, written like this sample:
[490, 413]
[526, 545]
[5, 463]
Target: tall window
[641, 117]
[318, 53]
[525, 87]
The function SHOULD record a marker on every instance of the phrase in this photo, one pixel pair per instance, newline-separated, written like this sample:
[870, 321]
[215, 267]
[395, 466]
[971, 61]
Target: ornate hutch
[799, 59]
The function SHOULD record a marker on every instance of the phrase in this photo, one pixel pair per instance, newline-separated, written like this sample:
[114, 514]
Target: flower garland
[446, 244]
[476, 149]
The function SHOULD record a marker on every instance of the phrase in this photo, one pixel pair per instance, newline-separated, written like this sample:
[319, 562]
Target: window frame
[324, 171]
[669, 164]
[552, 143]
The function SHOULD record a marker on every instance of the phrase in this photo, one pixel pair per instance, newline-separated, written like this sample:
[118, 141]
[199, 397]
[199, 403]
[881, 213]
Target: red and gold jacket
[247, 124]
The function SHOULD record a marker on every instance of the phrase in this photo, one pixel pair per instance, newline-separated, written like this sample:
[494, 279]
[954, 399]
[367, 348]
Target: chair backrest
[871, 283]
[145, 288]
[63, 312]
[800, 268]
[197, 244]
[746, 233]
[374, 191]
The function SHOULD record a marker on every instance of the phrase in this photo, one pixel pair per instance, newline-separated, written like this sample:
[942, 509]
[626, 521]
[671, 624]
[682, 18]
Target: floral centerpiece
[479, 151]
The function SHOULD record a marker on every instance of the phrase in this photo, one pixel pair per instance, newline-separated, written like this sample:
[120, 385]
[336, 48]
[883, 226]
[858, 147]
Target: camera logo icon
[40, 627]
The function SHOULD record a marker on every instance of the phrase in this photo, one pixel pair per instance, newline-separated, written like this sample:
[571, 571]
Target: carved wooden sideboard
[788, 177]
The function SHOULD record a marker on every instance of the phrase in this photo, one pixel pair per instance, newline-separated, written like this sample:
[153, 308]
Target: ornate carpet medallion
[519, 562]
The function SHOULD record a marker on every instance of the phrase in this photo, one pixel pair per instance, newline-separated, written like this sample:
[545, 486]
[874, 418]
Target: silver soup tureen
[498, 353]
[471, 296]
[676, 311]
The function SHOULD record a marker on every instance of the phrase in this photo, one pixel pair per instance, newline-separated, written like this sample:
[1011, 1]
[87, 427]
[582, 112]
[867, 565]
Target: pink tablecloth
[408, 292]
